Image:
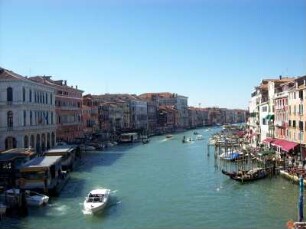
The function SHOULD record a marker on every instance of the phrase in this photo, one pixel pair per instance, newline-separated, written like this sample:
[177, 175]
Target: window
[46, 98]
[301, 94]
[47, 117]
[31, 118]
[293, 124]
[10, 143]
[301, 127]
[264, 109]
[23, 94]
[10, 119]
[26, 141]
[24, 118]
[264, 121]
[9, 91]
[30, 95]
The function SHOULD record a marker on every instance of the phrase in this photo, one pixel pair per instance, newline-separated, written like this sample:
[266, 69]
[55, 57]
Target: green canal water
[165, 184]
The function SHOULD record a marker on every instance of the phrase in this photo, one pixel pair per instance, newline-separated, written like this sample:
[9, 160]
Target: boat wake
[114, 192]
[87, 212]
[59, 210]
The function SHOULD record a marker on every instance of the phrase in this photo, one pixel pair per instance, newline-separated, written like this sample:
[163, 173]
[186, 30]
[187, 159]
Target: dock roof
[40, 163]
[61, 149]
[12, 154]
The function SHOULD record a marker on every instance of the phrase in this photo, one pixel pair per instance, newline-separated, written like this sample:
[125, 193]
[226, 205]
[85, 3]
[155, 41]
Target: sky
[212, 51]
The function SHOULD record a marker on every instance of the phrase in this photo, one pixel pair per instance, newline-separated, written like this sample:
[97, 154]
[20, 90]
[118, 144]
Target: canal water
[165, 184]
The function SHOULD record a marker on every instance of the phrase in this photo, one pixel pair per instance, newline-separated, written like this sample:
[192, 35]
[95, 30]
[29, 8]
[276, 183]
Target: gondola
[251, 175]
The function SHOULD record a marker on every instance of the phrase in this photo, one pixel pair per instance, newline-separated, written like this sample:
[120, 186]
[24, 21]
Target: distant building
[179, 102]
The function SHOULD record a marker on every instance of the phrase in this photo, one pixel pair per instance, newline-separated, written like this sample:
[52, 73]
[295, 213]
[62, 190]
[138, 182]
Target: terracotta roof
[54, 83]
[10, 75]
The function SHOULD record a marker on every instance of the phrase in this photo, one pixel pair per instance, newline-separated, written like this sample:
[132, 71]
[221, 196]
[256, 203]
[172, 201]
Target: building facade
[27, 113]
[68, 107]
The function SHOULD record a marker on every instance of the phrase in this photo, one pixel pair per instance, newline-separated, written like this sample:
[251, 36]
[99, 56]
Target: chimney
[65, 82]
[76, 86]
[280, 77]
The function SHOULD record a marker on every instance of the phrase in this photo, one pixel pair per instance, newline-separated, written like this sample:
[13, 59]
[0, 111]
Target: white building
[253, 121]
[27, 113]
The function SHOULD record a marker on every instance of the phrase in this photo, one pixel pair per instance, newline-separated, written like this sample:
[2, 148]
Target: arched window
[32, 141]
[10, 121]
[48, 140]
[43, 142]
[38, 146]
[52, 139]
[10, 143]
[9, 91]
[26, 141]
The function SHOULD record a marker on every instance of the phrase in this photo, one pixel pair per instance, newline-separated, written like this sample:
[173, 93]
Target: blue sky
[214, 52]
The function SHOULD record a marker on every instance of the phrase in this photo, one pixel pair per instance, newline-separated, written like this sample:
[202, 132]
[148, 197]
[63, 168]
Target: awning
[268, 117]
[284, 144]
[268, 140]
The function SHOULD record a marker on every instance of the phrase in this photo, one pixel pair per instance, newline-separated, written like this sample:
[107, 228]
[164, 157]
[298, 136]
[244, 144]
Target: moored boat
[33, 198]
[251, 175]
[145, 140]
[231, 156]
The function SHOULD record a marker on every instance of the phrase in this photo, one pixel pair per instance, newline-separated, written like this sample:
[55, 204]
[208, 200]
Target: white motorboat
[96, 200]
[32, 198]
[199, 137]
[36, 199]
